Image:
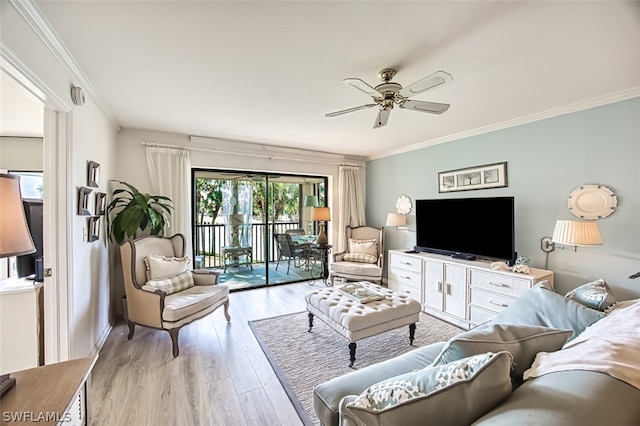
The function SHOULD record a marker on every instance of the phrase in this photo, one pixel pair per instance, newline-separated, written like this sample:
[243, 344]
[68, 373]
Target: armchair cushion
[205, 276]
[198, 298]
[364, 270]
[360, 257]
[162, 266]
[363, 246]
[173, 284]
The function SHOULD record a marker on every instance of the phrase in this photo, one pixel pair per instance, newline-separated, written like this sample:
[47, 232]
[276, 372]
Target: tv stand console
[463, 292]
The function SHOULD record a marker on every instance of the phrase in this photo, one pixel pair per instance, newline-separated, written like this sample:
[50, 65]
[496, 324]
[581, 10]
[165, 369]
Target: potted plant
[134, 211]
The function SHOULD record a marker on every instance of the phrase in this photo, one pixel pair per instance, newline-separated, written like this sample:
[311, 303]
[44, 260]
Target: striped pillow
[164, 267]
[363, 246]
[173, 284]
[360, 257]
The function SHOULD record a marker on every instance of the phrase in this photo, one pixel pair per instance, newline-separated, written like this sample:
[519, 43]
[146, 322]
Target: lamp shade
[395, 219]
[15, 238]
[311, 201]
[321, 214]
[576, 233]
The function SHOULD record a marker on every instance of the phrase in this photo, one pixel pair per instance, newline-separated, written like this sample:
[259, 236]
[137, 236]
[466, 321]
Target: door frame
[57, 206]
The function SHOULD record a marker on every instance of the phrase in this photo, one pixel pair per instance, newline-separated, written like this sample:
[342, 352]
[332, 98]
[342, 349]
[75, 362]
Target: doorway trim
[57, 184]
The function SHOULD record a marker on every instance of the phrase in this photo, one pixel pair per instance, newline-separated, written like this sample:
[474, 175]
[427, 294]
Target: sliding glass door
[237, 217]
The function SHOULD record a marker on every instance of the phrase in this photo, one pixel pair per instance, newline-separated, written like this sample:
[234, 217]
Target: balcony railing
[209, 240]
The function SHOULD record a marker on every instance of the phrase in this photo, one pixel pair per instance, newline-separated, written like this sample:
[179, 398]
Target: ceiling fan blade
[361, 85]
[382, 118]
[431, 81]
[348, 110]
[423, 106]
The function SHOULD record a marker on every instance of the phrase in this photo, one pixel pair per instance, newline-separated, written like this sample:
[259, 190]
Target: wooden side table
[51, 394]
[231, 256]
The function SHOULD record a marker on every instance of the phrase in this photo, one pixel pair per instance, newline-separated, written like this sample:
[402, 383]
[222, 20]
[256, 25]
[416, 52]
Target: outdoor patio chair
[289, 250]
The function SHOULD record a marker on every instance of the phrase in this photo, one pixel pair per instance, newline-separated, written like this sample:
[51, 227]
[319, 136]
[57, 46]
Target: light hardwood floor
[220, 378]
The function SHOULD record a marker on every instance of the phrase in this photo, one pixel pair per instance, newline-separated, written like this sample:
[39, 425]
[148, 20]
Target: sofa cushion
[595, 295]
[363, 246]
[541, 306]
[173, 284]
[522, 341]
[327, 395]
[454, 393]
[162, 266]
[360, 257]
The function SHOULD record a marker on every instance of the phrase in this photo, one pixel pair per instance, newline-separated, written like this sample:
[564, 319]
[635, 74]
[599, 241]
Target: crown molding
[554, 112]
[30, 12]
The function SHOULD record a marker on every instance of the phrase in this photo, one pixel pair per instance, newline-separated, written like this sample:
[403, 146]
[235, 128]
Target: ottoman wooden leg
[310, 321]
[412, 333]
[352, 353]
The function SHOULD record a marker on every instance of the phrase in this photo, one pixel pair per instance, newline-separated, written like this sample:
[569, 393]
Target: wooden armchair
[173, 301]
[363, 259]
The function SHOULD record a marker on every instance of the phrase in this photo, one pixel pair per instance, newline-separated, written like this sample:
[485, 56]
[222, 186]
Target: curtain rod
[270, 157]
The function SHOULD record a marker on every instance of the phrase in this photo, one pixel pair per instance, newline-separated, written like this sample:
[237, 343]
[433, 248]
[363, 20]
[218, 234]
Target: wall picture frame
[93, 174]
[94, 228]
[472, 178]
[83, 201]
[100, 204]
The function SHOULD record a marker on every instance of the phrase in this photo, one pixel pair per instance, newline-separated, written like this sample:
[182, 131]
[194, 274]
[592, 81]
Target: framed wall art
[471, 178]
[101, 201]
[93, 174]
[94, 228]
[83, 201]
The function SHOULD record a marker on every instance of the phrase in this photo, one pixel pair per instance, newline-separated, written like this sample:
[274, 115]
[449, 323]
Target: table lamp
[322, 215]
[15, 238]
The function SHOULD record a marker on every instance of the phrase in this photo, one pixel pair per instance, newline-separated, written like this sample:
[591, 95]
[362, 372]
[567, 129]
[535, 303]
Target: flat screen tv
[467, 228]
[27, 265]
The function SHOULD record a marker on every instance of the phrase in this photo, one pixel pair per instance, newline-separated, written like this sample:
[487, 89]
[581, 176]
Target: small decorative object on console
[360, 293]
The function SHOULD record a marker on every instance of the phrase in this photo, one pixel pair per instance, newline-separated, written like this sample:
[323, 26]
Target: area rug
[302, 360]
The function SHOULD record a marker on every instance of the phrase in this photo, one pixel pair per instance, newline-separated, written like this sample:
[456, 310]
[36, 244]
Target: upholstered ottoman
[355, 320]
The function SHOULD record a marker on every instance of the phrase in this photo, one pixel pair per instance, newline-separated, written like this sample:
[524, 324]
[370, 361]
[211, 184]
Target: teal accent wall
[546, 160]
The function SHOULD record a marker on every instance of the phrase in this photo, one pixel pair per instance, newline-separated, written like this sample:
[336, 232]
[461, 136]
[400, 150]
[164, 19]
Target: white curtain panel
[351, 196]
[170, 173]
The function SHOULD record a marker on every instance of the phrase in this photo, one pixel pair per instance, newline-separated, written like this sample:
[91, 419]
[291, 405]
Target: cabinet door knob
[502, 305]
[439, 286]
[497, 284]
[405, 278]
[449, 289]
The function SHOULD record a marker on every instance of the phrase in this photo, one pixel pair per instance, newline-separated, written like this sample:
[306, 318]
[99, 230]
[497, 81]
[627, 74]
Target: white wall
[23, 154]
[91, 137]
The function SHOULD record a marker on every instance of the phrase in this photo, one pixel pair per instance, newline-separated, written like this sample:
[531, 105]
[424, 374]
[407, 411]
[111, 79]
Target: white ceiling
[268, 71]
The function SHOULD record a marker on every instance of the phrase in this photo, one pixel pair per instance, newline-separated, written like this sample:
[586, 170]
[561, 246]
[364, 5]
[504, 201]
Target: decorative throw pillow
[163, 267]
[541, 306]
[174, 284]
[595, 294]
[360, 257]
[363, 246]
[523, 342]
[454, 393]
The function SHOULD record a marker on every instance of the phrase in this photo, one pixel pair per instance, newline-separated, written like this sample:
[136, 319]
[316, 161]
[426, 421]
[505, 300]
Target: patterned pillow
[595, 295]
[455, 393]
[363, 246]
[163, 267]
[360, 257]
[173, 284]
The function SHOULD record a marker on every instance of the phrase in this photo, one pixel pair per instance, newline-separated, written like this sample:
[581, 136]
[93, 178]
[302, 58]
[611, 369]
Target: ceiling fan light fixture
[389, 92]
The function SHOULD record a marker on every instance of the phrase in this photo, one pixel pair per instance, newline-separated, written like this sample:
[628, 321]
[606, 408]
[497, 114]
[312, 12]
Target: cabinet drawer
[480, 316]
[406, 288]
[499, 283]
[490, 301]
[406, 277]
[405, 262]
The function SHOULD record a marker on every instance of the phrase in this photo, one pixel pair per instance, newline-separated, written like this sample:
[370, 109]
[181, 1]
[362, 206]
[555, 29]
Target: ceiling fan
[388, 93]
